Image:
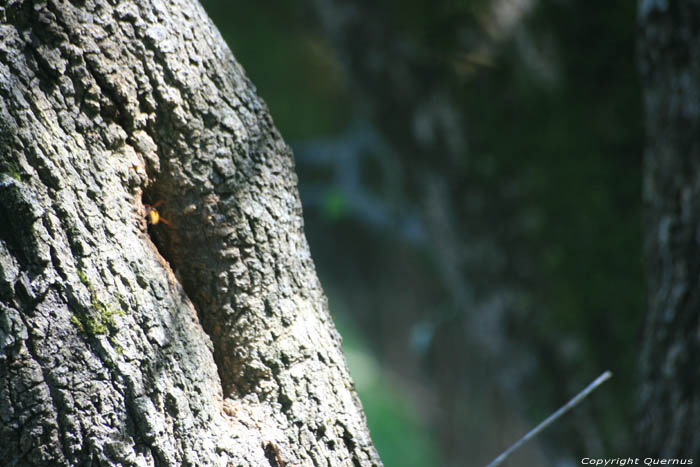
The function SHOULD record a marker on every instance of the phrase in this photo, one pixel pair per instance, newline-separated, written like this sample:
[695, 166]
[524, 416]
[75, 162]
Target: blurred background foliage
[471, 174]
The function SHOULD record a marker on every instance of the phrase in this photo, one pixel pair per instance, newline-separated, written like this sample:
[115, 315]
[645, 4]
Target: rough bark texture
[205, 341]
[670, 364]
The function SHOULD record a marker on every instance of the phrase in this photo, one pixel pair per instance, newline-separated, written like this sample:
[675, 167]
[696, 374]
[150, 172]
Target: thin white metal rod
[549, 420]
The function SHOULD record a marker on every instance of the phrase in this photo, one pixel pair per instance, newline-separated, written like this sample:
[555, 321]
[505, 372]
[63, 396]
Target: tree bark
[670, 67]
[205, 340]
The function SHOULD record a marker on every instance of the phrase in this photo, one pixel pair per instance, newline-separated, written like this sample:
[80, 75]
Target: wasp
[153, 216]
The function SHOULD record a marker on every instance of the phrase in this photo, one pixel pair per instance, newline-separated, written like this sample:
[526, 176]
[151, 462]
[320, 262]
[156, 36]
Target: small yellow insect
[153, 216]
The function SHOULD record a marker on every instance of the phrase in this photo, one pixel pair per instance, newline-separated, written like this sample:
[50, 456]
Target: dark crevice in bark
[186, 243]
[272, 455]
[163, 233]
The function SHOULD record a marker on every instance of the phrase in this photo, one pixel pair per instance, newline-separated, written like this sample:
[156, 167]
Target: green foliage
[396, 428]
[575, 145]
[289, 62]
[334, 204]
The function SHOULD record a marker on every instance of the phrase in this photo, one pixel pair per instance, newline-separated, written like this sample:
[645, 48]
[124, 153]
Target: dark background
[471, 178]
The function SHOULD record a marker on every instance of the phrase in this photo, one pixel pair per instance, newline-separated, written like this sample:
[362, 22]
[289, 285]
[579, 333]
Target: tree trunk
[670, 365]
[200, 339]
